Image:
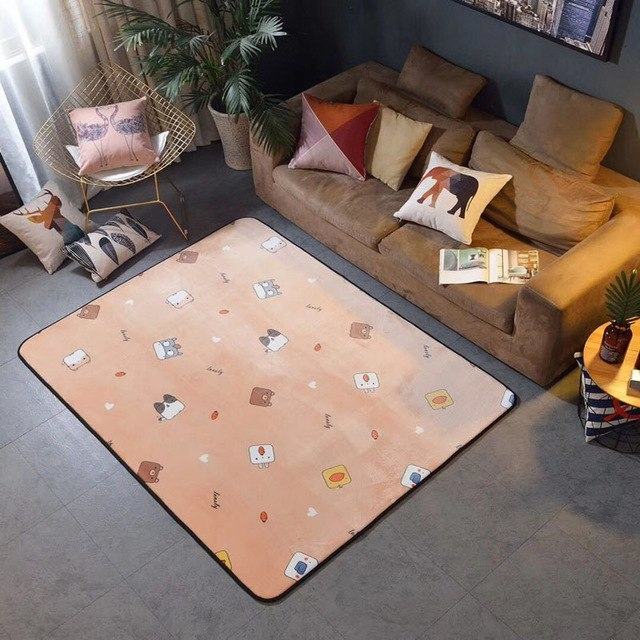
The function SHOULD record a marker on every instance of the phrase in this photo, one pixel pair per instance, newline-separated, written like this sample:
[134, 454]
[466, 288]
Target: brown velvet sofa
[534, 328]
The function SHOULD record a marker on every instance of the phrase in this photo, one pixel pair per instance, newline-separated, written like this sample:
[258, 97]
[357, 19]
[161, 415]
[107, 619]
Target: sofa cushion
[393, 142]
[416, 249]
[449, 138]
[551, 207]
[333, 136]
[442, 85]
[363, 210]
[567, 129]
[451, 198]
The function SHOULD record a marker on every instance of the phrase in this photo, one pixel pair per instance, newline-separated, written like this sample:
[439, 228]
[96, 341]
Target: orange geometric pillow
[333, 136]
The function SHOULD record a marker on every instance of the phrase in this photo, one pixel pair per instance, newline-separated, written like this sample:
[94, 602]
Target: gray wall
[328, 36]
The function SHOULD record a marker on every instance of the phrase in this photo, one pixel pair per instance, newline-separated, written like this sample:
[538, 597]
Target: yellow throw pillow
[392, 144]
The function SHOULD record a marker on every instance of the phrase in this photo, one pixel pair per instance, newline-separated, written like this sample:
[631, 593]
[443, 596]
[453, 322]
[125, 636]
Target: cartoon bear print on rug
[149, 471]
[188, 257]
[89, 312]
[360, 331]
[261, 397]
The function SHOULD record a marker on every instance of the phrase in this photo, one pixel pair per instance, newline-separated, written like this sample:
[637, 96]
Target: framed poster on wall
[585, 25]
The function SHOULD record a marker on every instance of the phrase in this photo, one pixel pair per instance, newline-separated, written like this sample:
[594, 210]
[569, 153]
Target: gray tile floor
[529, 533]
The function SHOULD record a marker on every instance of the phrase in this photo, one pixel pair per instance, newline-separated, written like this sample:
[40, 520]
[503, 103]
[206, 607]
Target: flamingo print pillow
[102, 251]
[113, 136]
[451, 198]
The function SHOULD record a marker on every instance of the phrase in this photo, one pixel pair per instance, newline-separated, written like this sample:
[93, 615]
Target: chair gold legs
[184, 231]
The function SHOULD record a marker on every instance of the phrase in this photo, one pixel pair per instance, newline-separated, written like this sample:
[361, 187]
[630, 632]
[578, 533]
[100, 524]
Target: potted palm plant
[622, 301]
[214, 68]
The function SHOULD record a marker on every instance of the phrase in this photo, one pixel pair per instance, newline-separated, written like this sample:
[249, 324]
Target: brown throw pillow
[567, 129]
[449, 138]
[392, 144]
[440, 84]
[550, 207]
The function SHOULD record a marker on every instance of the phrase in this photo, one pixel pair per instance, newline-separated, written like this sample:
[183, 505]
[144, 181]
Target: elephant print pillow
[451, 198]
[113, 136]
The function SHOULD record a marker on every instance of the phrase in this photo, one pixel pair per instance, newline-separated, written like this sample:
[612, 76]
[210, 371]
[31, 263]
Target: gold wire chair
[106, 84]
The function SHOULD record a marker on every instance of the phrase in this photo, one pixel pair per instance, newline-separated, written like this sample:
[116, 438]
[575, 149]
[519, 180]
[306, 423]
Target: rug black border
[211, 553]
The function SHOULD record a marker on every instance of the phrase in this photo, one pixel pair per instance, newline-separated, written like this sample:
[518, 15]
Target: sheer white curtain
[45, 49]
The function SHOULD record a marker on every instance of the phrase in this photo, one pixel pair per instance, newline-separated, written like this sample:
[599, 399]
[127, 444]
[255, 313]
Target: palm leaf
[622, 297]
[201, 67]
[238, 92]
[272, 125]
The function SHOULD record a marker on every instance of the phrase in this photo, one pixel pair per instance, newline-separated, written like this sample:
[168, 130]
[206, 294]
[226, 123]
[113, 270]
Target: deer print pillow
[451, 198]
[46, 224]
[113, 136]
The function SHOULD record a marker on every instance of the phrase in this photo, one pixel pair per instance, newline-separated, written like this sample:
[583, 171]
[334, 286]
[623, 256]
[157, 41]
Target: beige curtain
[104, 31]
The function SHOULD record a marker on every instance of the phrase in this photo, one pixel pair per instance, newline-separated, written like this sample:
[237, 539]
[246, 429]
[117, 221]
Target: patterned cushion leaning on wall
[449, 138]
[333, 136]
[46, 224]
[105, 249]
[441, 84]
[567, 129]
[550, 207]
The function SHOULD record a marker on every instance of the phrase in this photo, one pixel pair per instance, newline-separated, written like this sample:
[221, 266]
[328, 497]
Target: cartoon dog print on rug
[89, 312]
[267, 289]
[273, 244]
[360, 330]
[149, 471]
[179, 299]
[367, 382]
[274, 340]
[300, 565]
[77, 359]
[169, 408]
[261, 397]
[460, 185]
[413, 476]
[262, 455]
[167, 348]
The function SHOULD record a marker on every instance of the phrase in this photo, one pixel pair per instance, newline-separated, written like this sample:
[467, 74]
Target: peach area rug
[271, 406]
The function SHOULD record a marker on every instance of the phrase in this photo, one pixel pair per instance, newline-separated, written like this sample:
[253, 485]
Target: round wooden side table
[613, 379]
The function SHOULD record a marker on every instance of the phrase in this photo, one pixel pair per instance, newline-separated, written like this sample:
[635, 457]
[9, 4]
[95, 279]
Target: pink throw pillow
[113, 136]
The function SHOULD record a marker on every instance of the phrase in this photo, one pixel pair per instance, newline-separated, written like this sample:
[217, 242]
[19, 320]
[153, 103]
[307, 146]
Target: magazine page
[458, 266]
[511, 266]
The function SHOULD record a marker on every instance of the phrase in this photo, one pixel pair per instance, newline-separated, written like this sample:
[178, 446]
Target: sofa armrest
[560, 306]
[339, 88]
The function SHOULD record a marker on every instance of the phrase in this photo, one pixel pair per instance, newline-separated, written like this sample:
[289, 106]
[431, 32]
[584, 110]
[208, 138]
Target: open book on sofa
[506, 266]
